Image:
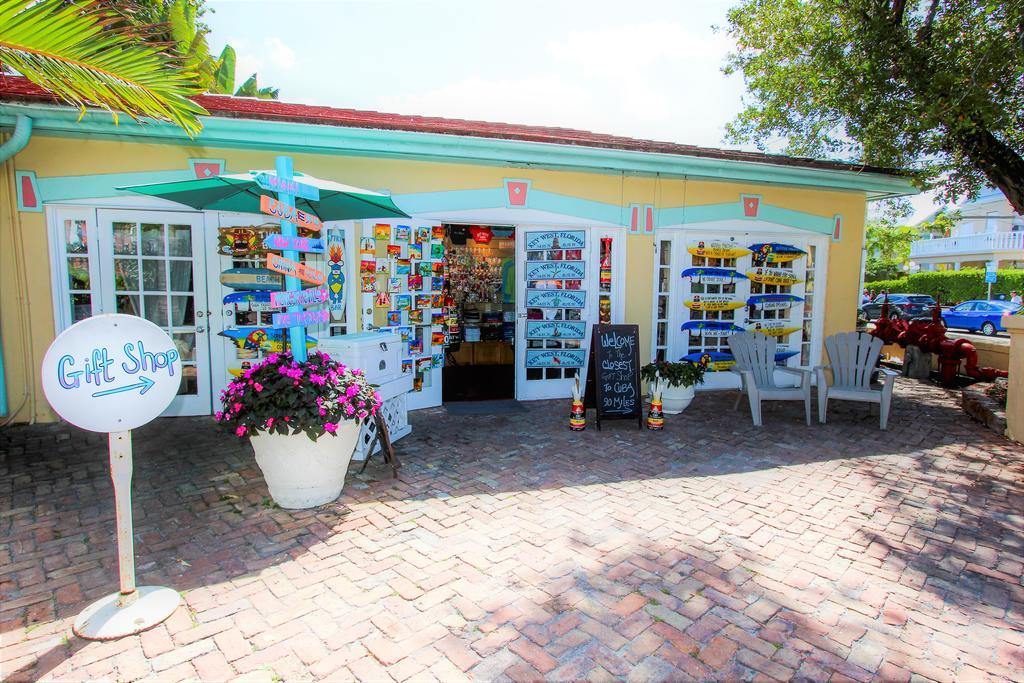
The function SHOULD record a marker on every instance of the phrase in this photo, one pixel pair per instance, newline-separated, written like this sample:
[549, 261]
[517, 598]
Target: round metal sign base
[104, 620]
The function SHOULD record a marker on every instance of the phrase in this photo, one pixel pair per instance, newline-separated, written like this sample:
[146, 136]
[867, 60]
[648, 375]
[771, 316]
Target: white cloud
[281, 56]
[658, 81]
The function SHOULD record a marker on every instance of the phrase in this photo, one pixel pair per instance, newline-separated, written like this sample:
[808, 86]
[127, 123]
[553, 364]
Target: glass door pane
[154, 276]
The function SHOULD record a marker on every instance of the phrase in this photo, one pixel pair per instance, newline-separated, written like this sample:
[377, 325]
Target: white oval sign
[111, 373]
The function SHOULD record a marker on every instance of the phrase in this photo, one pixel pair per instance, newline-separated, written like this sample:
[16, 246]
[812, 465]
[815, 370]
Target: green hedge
[953, 285]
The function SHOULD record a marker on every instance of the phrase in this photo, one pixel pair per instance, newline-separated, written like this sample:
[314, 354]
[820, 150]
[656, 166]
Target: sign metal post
[113, 373]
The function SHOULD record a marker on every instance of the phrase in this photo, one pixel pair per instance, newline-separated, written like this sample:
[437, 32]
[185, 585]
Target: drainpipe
[19, 138]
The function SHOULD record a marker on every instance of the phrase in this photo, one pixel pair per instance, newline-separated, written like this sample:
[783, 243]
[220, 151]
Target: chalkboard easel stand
[590, 393]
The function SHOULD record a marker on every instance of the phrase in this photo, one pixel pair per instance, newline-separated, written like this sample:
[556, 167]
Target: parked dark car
[905, 306]
[979, 314]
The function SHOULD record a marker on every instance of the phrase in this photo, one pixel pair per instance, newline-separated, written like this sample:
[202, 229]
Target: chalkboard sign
[613, 376]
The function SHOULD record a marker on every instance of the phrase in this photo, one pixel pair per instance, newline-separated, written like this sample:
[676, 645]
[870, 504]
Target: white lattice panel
[396, 416]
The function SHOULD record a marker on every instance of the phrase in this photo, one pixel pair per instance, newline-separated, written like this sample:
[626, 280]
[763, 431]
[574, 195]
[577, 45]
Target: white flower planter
[301, 473]
[674, 400]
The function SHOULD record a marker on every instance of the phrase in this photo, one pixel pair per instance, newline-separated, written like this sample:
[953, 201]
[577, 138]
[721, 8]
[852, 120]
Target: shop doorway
[479, 298]
[567, 281]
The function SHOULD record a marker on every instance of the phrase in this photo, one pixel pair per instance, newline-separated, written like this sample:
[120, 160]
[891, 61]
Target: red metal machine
[930, 337]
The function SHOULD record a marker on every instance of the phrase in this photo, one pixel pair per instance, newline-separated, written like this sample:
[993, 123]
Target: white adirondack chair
[853, 358]
[755, 364]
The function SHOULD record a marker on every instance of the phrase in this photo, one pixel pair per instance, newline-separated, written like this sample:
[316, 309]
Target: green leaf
[224, 76]
[88, 55]
[248, 88]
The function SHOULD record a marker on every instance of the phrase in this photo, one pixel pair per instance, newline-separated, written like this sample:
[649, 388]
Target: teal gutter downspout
[19, 138]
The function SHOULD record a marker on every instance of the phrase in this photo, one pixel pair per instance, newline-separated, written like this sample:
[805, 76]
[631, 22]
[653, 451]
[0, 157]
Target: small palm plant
[87, 53]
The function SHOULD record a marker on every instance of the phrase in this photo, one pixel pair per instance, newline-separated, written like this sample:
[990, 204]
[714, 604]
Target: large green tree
[88, 54]
[936, 86]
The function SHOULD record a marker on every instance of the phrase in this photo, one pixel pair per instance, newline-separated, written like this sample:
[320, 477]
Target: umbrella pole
[297, 335]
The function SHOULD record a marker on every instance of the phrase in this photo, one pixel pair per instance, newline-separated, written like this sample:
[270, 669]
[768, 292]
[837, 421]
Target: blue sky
[643, 68]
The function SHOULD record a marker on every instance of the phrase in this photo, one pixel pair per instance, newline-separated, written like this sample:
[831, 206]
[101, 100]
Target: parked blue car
[979, 315]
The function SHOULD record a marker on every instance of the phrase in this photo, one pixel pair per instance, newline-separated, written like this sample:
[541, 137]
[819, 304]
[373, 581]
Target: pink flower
[323, 411]
[257, 386]
[330, 427]
[362, 414]
[270, 422]
[237, 407]
[241, 430]
[218, 416]
[316, 379]
[349, 410]
[273, 357]
[352, 390]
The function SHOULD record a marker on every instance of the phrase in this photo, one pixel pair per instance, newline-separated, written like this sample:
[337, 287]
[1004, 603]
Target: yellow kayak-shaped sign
[773, 276]
[713, 302]
[773, 328]
[716, 249]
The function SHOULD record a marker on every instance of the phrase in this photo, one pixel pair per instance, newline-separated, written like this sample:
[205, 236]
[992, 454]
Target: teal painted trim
[65, 188]
[337, 140]
[451, 200]
[574, 206]
[19, 176]
[734, 211]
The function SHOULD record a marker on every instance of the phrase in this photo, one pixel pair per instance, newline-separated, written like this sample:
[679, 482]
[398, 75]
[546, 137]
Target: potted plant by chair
[679, 378]
[303, 421]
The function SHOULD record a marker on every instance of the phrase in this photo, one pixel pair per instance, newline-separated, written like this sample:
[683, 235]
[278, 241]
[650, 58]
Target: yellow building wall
[26, 307]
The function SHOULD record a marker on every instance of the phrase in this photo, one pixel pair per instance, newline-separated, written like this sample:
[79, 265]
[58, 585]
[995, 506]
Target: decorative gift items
[655, 417]
[578, 414]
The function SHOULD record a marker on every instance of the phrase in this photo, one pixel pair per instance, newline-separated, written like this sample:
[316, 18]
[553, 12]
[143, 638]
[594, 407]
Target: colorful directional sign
[295, 269]
[282, 185]
[711, 328]
[774, 302]
[310, 245]
[304, 297]
[301, 318]
[286, 212]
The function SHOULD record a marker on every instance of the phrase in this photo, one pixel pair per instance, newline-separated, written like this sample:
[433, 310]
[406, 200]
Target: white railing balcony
[986, 243]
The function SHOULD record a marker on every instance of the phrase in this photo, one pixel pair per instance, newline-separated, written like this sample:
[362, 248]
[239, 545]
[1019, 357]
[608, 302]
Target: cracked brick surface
[513, 549]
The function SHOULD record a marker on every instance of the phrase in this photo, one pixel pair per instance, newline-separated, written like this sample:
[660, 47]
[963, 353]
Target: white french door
[698, 304]
[152, 264]
[566, 281]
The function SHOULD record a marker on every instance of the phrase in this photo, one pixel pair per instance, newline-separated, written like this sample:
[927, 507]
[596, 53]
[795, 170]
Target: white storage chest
[378, 355]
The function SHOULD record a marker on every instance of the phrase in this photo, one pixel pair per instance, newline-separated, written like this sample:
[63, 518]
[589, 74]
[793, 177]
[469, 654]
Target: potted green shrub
[680, 379]
[303, 421]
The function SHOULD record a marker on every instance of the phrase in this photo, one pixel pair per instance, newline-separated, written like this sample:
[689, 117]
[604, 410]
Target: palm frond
[85, 54]
[224, 75]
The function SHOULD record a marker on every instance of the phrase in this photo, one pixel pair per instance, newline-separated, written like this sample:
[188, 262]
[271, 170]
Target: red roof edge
[19, 89]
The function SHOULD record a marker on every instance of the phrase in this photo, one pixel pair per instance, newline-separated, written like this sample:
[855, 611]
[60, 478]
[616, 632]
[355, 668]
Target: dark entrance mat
[465, 408]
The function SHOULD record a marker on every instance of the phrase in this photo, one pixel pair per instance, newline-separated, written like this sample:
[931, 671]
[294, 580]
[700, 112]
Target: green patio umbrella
[239, 192]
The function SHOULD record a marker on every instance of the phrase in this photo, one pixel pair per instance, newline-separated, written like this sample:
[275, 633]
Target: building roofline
[349, 132]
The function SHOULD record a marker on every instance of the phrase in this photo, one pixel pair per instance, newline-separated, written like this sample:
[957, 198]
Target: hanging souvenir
[713, 276]
[773, 276]
[335, 273]
[368, 246]
[716, 249]
[402, 233]
[773, 328]
[713, 302]
[711, 328]
[383, 300]
[774, 252]
[773, 302]
[382, 232]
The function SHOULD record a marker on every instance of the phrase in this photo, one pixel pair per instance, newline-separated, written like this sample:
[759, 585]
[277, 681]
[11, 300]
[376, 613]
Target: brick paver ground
[511, 548]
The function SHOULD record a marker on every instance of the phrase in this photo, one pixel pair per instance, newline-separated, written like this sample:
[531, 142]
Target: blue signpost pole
[296, 335]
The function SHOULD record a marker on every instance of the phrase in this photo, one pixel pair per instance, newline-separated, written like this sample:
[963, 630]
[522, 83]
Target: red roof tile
[18, 89]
